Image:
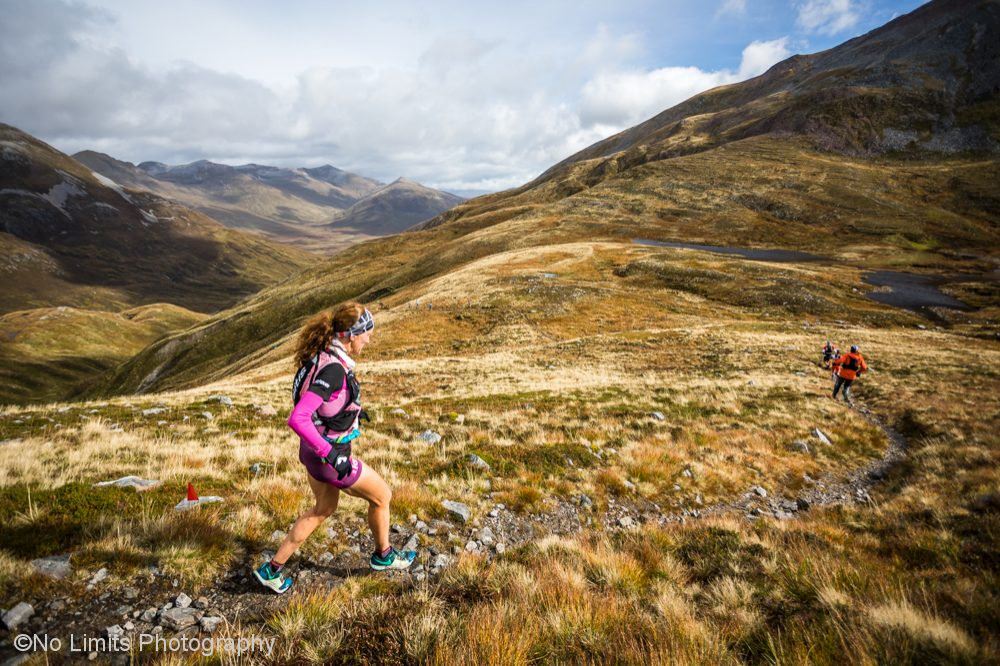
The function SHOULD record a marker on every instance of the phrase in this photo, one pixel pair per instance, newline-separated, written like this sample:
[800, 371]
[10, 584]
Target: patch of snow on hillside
[107, 182]
[9, 191]
[60, 192]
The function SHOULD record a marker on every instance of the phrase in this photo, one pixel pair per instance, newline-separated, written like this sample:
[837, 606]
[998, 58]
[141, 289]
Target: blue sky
[468, 97]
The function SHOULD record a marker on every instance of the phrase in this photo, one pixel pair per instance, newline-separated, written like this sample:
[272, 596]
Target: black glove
[363, 416]
[339, 458]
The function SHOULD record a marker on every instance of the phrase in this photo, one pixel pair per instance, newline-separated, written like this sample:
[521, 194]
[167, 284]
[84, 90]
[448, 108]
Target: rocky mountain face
[298, 206]
[70, 236]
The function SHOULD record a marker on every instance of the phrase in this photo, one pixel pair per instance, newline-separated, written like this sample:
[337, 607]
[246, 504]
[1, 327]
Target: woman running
[327, 418]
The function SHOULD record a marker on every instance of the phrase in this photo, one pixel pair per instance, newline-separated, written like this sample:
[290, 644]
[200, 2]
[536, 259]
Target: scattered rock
[207, 416]
[222, 399]
[472, 546]
[429, 436]
[629, 484]
[57, 567]
[501, 548]
[800, 446]
[687, 473]
[326, 558]
[149, 615]
[821, 436]
[802, 504]
[201, 603]
[152, 411]
[182, 601]
[178, 618]
[97, 578]
[17, 615]
[267, 410]
[115, 632]
[626, 522]
[757, 490]
[136, 482]
[421, 526]
[459, 510]
[210, 623]
[412, 543]
[398, 411]
[477, 462]
[658, 416]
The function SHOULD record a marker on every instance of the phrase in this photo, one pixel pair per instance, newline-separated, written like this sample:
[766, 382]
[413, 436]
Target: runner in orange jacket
[848, 368]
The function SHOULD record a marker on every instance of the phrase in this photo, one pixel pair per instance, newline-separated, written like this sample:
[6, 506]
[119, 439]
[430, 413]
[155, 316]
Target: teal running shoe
[396, 559]
[271, 579]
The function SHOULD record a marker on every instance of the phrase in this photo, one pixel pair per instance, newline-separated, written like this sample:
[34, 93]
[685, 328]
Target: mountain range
[69, 236]
[322, 208]
[879, 153]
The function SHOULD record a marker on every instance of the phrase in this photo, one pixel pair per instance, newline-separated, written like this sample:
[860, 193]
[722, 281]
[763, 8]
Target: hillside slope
[923, 86]
[47, 353]
[70, 237]
[394, 208]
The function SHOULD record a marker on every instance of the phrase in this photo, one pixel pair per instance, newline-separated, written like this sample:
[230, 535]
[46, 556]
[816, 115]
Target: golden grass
[559, 403]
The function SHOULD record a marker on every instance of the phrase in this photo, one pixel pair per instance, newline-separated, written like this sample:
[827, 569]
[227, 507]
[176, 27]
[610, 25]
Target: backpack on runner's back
[851, 363]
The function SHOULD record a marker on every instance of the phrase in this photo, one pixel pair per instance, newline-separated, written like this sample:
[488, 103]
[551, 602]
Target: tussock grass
[559, 402]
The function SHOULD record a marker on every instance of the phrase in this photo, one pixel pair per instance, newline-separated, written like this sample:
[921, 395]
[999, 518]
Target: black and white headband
[364, 324]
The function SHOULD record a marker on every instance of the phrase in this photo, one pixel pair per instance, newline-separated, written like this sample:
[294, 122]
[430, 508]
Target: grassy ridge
[48, 352]
[757, 192]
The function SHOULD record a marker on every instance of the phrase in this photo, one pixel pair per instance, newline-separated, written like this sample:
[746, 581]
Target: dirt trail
[238, 598]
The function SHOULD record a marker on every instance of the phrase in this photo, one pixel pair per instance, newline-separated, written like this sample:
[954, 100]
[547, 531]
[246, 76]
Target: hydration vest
[851, 363]
[331, 422]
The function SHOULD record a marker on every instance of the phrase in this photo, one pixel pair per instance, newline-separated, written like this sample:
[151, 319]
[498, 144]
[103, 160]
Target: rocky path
[159, 606]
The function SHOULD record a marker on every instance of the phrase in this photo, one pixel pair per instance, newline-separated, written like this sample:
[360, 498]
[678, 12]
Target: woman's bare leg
[327, 498]
[373, 488]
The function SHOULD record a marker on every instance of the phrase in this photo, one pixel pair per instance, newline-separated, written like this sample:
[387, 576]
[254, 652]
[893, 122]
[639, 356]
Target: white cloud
[737, 7]
[827, 17]
[759, 56]
[466, 112]
[619, 99]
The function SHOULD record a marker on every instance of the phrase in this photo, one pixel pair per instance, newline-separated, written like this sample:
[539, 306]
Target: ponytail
[315, 337]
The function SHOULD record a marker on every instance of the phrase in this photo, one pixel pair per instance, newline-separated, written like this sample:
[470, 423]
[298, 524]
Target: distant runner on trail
[327, 418]
[827, 354]
[848, 368]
